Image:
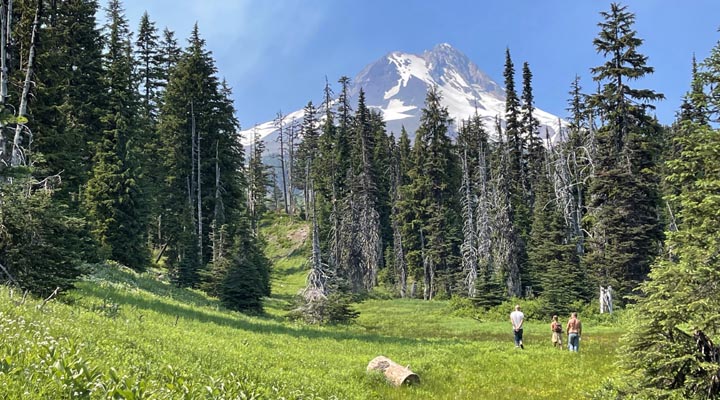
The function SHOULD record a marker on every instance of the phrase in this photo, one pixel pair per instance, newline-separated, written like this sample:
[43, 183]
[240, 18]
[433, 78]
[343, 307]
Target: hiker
[517, 318]
[574, 330]
[556, 329]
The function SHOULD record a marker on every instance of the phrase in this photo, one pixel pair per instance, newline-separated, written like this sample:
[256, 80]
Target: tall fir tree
[624, 194]
[150, 80]
[506, 243]
[258, 182]
[147, 51]
[532, 144]
[360, 237]
[69, 95]
[114, 199]
[431, 202]
[516, 177]
[186, 112]
[307, 154]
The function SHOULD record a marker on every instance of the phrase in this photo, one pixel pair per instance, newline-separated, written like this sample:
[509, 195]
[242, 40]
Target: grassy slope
[125, 334]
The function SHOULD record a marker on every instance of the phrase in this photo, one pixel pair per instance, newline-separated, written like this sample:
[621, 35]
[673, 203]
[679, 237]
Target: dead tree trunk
[394, 372]
[469, 246]
[291, 163]
[5, 22]
[398, 250]
[17, 154]
[279, 123]
[198, 188]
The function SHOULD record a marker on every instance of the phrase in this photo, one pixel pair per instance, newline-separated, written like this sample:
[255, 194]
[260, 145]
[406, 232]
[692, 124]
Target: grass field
[124, 335]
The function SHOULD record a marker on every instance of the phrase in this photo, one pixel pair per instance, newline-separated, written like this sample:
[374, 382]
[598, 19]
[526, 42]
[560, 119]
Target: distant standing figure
[574, 330]
[517, 318]
[556, 328]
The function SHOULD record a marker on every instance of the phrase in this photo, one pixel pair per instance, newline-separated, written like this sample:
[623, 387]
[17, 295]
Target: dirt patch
[299, 235]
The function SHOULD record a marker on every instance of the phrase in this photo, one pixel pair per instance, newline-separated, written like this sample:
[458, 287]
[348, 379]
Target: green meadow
[123, 335]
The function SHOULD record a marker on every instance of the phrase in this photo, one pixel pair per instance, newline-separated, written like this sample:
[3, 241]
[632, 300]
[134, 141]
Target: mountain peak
[444, 47]
[397, 83]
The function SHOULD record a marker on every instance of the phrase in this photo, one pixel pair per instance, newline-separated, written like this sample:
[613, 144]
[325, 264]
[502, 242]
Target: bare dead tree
[483, 226]
[5, 30]
[291, 137]
[9, 276]
[316, 287]
[280, 124]
[218, 223]
[198, 187]
[50, 297]
[468, 248]
[505, 241]
[369, 242]
[428, 269]
[398, 250]
[18, 157]
[570, 166]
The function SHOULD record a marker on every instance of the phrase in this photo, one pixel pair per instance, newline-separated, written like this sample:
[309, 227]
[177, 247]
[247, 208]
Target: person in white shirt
[517, 318]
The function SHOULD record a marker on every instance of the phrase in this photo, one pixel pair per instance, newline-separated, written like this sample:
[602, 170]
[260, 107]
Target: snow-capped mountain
[397, 83]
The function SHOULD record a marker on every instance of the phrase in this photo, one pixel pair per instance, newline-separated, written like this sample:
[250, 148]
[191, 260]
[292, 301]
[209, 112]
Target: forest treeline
[619, 200]
[119, 146]
[498, 211]
[124, 146]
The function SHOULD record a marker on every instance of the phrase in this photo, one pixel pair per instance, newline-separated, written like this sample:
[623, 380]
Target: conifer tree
[42, 240]
[69, 95]
[382, 168]
[516, 177]
[149, 67]
[670, 349]
[513, 130]
[168, 55]
[695, 104]
[506, 242]
[190, 97]
[398, 261]
[205, 201]
[360, 241]
[474, 151]
[325, 183]
[42, 245]
[307, 153]
[113, 197]
[430, 201]
[258, 181]
[624, 196]
[554, 266]
[343, 136]
[534, 151]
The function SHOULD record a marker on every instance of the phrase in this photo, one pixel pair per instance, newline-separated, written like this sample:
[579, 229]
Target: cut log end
[395, 373]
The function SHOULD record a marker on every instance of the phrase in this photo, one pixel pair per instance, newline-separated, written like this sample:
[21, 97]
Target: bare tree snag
[395, 373]
[47, 300]
[18, 157]
[10, 277]
[5, 30]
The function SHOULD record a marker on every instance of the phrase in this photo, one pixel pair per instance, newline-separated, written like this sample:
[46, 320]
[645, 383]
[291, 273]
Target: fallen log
[394, 372]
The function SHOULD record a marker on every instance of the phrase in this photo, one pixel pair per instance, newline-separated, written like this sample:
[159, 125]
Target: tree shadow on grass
[282, 272]
[265, 325]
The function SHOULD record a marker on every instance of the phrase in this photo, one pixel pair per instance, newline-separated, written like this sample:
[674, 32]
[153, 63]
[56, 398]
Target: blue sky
[275, 54]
